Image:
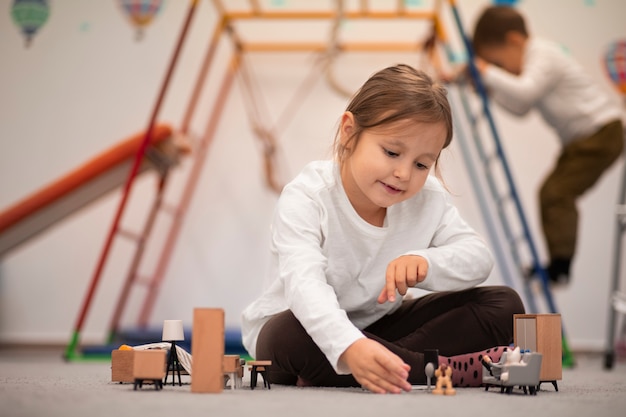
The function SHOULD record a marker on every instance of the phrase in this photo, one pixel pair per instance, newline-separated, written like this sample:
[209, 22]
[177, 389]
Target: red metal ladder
[71, 351]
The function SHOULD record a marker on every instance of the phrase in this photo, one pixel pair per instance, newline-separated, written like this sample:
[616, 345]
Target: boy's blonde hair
[395, 93]
[493, 25]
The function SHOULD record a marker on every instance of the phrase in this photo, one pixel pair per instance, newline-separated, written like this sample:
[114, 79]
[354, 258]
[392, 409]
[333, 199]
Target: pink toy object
[615, 64]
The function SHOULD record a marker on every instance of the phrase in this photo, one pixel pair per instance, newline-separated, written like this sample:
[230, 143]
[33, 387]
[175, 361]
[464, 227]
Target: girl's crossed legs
[455, 323]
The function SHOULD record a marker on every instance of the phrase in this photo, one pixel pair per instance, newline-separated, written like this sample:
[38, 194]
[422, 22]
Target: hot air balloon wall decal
[141, 13]
[30, 16]
[615, 65]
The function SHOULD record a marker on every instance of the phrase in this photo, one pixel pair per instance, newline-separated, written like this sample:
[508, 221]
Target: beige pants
[578, 168]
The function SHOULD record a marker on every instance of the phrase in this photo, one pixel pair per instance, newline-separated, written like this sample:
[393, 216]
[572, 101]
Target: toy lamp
[173, 332]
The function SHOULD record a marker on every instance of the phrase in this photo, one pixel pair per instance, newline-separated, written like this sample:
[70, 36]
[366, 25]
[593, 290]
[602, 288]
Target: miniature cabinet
[126, 365]
[233, 367]
[122, 362]
[541, 333]
[149, 365]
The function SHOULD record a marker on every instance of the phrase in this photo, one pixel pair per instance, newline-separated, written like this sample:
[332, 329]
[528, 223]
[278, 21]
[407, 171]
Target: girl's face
[390, 164]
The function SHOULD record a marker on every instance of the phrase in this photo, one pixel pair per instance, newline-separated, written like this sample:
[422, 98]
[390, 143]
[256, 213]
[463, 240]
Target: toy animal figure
[444, 379]
[513, 358]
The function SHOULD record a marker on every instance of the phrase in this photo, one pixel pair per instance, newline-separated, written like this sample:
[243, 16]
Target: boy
[521, 72]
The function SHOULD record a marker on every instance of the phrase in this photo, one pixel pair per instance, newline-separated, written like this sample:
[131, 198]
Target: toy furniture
[429, 370]
[122, 361]
[122, 365]
[541, 333]
[207, 348]
[233, 367]
[149, 365]
[431, 356]
[173, 332]
[508, 375]
[257, 367]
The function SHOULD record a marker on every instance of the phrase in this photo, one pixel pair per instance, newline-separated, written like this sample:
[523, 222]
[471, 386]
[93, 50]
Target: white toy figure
[513, 358]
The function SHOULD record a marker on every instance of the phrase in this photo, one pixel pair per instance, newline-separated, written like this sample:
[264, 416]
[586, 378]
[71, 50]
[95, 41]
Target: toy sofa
[524, 373]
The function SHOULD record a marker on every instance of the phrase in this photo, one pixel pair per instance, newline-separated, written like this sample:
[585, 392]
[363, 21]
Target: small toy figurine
[444, 378]
[513, 358]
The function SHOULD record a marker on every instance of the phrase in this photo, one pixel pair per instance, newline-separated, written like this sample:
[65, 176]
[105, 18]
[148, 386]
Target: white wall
[85, 84]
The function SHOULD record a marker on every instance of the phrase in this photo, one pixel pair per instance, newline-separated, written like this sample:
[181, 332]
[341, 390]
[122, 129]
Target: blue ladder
[501, 198]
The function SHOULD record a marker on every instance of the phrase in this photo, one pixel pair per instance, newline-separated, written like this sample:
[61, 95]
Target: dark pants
[452, 322]
[578, 168]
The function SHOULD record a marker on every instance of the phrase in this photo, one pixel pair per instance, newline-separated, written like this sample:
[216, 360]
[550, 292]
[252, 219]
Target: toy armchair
[524, 373]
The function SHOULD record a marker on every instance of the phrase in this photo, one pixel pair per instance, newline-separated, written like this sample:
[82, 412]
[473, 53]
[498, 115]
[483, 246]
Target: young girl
[350, 236]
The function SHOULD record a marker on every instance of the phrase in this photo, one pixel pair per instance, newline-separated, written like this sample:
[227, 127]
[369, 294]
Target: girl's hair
[396, 93]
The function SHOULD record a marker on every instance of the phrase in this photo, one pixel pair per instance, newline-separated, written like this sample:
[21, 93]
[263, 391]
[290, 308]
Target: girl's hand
[376, 368]
[403, 273]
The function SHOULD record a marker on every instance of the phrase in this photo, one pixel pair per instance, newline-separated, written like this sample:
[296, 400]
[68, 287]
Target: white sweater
[328, 264]
[558, 87]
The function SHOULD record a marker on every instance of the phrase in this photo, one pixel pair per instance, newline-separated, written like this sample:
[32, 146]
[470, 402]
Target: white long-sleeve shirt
[328, 264]
[558, 87]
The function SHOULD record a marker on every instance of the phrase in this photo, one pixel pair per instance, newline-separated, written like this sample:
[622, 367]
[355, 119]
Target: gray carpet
[40, 383]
